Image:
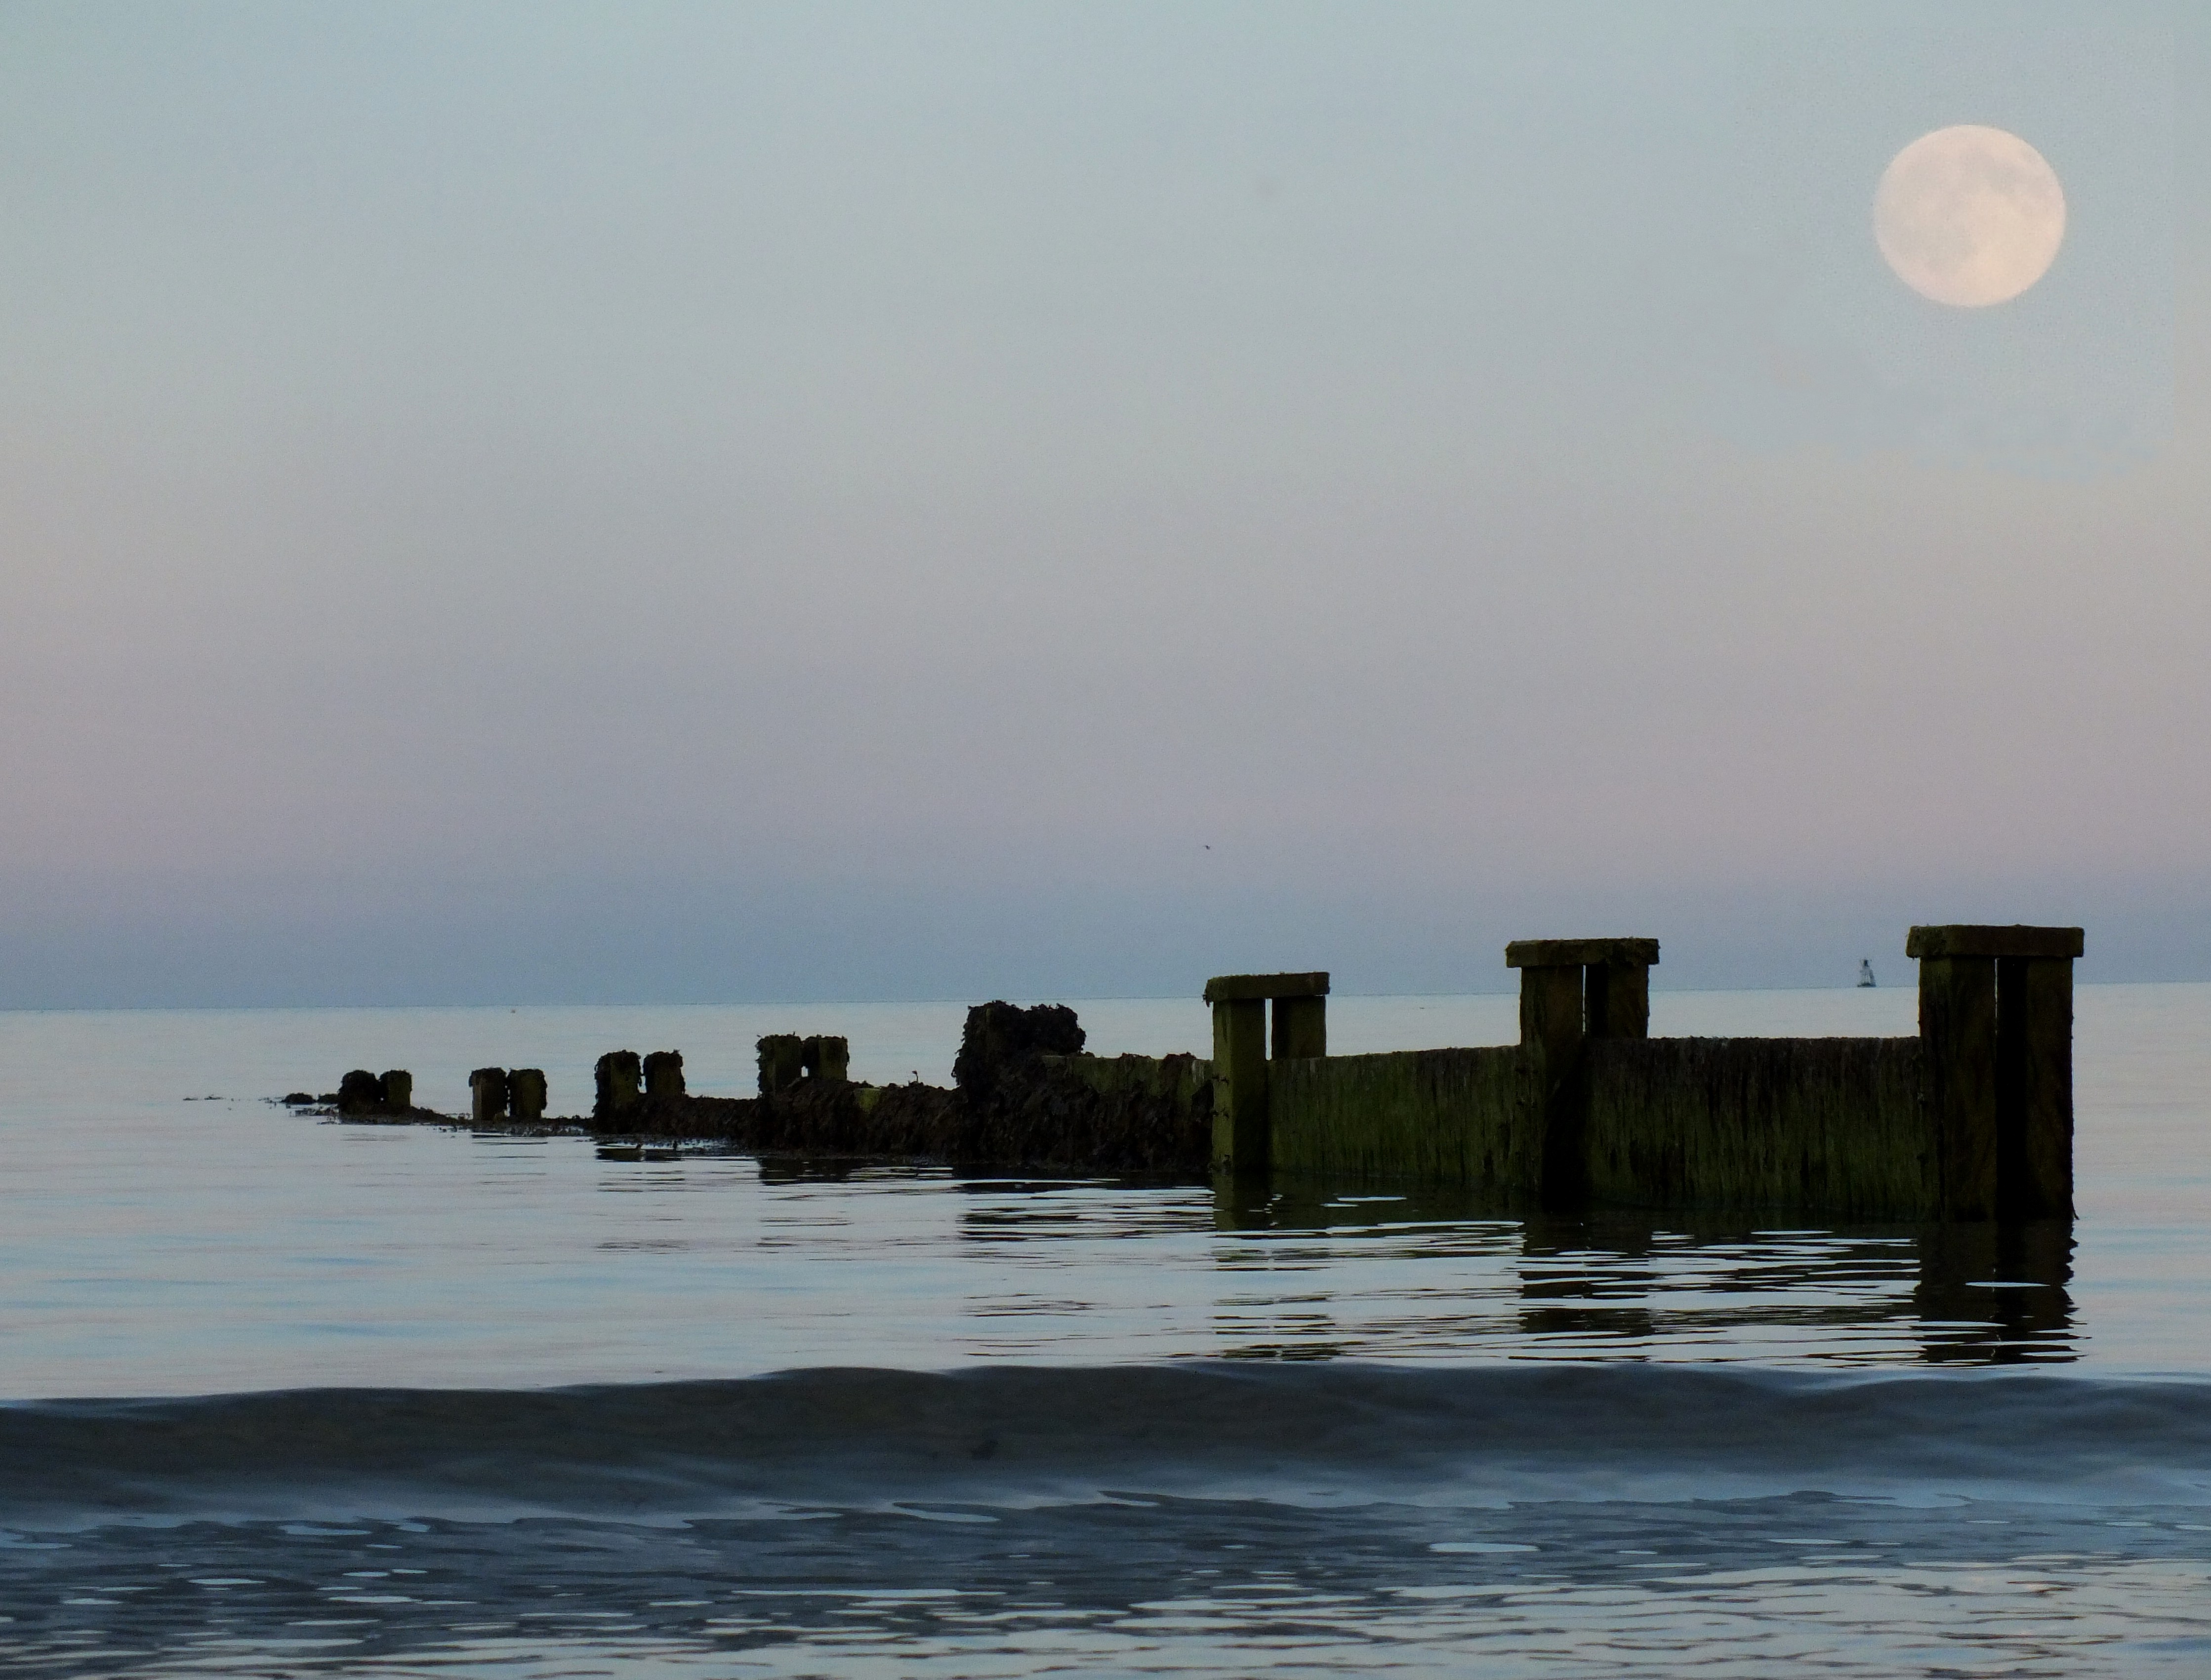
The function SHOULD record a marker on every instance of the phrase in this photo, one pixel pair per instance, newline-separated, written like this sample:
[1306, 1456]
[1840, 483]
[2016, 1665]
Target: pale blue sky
[558, 502]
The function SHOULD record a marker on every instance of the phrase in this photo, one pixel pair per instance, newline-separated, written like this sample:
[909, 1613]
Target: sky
[534, 503]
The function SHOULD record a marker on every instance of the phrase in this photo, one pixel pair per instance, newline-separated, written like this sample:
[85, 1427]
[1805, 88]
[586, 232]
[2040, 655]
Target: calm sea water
[290, 1396]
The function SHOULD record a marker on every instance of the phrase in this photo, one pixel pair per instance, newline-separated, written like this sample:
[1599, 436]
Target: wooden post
[360, 1092]
[525, 1093]
[615, 1079]
[1552, 1095]
[2038, 992]
[825, 1056]
[1240, 1085]
[664, 1073]
[782, 1062]
[1301, 1027]
[487, 1094]
[1242, 1123]
[1617, 998]
[1958, 1039]
[1554, 1018]
[1996, 1030]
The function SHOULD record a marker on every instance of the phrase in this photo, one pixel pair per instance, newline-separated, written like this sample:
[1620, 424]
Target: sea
[281, 1395]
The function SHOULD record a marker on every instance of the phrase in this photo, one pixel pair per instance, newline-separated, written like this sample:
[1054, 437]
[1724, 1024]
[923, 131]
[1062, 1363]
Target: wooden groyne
[1024, 1095]
[1971, 1120]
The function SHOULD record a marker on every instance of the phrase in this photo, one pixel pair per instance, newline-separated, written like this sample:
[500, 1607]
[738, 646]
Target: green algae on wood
[1423, 1116]
[1831, 1123]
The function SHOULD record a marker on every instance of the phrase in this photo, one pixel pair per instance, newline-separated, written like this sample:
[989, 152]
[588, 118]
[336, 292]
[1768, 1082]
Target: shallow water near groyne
[290, 1396]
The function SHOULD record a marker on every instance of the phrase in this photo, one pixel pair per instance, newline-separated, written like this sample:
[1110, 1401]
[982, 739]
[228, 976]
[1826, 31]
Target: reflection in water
[1603, 1285]
[796, 1169]
[1996, 1294]
[158, 1247]
[1305, 1274]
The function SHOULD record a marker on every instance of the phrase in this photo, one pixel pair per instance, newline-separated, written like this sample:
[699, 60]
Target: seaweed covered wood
[1422, 1116]
[1001, 1038]
[1828, 1123]
[1019, 1103]
[1075, 1113]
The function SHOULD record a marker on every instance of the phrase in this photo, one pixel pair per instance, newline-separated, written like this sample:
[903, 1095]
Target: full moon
[1969, 216]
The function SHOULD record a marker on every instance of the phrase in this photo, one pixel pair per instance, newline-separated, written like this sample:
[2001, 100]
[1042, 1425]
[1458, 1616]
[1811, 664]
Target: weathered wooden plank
[1826, 1124]
[1234, 988]
[1963, 940]
[1447, 1117]
[1578, 953]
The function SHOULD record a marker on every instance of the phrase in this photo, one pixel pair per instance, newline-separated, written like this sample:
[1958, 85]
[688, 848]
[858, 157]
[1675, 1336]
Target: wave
[1005, 1435]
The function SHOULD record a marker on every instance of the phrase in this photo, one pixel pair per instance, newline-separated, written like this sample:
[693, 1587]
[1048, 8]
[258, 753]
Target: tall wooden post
[1240, 1085]
[1958, 1042]
[1551, 1065]
[1299, 1027]
[1996, 1030]
[782, 1062]
[1558, 1011]
[614, 1078]
[1616, 997]
[664, 1073]
[2038, 992]
[525, 1093]
[487, 1094]
[825, 1056]
[1243, 1123]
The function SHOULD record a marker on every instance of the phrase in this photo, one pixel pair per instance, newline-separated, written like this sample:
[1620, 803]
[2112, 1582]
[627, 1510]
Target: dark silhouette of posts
[1616, 996]
[1571, 990]
[785, 1057]
[525, 1093]
[664, 1073]
[487, 1095]
[2034, 1082]
[1240, 1120]
[359, 1093]
[1299, 1027]
[825, 1056]
[1239, 1085]
[615, 1079]
[1996, 1030]
[782, 1062]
